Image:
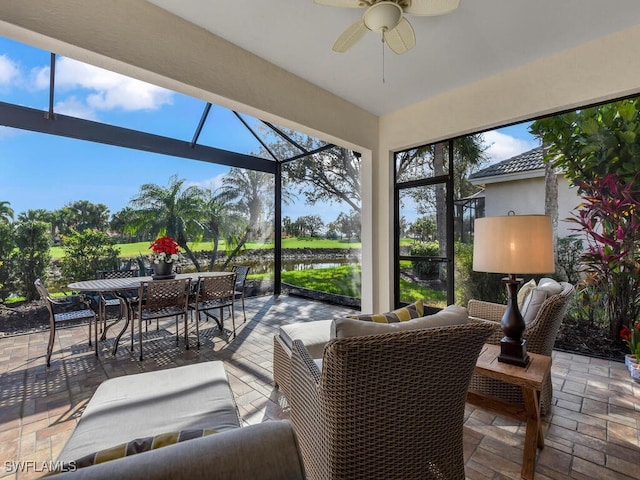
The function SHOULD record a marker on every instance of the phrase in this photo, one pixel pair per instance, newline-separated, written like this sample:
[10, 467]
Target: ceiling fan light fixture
[382, 16]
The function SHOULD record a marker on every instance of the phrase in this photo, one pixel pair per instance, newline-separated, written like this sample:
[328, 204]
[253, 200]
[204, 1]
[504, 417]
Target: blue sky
[43, 171]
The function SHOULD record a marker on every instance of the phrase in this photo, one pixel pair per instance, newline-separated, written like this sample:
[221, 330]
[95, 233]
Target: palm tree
[222, 221]
[6, 212]
[254, 191]
[171, 211]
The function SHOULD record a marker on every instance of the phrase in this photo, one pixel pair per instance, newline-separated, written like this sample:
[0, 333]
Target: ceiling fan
[387, 18]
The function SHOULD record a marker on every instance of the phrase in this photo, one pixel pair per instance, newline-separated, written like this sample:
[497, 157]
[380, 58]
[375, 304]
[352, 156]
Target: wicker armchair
[385, 406]
[540, 334]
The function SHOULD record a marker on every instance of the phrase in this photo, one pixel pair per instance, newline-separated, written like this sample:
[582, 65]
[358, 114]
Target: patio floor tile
[591, 432]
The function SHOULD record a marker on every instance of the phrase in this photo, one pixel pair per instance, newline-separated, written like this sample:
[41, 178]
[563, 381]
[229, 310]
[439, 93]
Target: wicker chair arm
[496, 334]
[311, 368]
[486, 310]
[306, 410]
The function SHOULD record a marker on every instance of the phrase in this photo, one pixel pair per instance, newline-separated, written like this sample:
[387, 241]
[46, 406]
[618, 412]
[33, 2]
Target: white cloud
[502, 146]
[109, 90]
[8, 132]
[9, 72]
[209, 183]
[39, 78]
[73, 107]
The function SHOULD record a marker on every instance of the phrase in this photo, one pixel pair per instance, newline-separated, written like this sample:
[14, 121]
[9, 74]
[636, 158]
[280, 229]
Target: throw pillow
[550, 285]
[524, 292]
[413, 310]
[140, 445]
[347, 327]
[532, 304]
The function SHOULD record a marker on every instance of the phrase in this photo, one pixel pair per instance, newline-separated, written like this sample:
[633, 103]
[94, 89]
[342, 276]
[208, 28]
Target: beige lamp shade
[513, 244]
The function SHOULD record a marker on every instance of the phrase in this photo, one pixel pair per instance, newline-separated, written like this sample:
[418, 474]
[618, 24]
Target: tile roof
[527, 161]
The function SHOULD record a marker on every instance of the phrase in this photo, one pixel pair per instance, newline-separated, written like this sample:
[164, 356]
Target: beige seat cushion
[314, 335]
[346, 327]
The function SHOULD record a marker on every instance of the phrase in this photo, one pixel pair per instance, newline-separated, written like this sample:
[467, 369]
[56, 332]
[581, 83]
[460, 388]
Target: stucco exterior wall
[527, 197]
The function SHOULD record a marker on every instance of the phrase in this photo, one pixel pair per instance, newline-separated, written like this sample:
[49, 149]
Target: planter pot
[630, 360]
[635, 372]
[163, 270]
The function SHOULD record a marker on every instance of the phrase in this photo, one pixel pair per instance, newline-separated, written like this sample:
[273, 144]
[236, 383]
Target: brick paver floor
[591, 433]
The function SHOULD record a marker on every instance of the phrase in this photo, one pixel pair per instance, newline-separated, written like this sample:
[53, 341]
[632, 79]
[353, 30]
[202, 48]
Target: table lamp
[513, 244]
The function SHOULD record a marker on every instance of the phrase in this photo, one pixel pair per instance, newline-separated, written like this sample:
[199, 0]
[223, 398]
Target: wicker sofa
[136, 412]
[385, 406]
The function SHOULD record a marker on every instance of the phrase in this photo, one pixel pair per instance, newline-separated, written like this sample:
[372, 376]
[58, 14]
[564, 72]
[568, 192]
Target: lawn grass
[412, 292]
[130, 250]
[343, 280]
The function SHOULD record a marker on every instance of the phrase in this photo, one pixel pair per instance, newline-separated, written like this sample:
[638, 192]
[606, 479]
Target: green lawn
[130, 250]
[343, 280]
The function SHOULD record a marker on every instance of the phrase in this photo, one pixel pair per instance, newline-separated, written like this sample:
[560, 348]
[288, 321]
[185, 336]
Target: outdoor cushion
[534, 300]
[140, 445]
[191, 397]
[550, 285]
[347, 327]
[414, 310]
[314, 335]
[524, 291]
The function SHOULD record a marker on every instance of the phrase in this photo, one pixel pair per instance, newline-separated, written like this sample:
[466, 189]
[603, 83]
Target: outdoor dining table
[121, 286]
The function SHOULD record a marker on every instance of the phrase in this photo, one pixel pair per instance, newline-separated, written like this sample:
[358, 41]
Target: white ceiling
[479, 40]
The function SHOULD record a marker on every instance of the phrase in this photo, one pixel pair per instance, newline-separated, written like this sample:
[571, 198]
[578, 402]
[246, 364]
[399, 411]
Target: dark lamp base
[513, 353]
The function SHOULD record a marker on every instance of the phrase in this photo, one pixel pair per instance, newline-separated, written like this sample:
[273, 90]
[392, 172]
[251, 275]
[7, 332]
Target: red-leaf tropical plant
[610, 219]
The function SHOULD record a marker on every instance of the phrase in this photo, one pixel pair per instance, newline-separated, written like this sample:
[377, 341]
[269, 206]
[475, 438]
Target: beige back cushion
[347, 327]
[536, 297]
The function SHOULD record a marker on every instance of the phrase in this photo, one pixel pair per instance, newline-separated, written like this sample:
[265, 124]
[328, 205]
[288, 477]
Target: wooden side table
[531, 379]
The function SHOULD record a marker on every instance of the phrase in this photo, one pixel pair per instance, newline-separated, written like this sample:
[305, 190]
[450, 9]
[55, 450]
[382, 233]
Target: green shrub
[87, 252]
[7, 277]
[424, 268]
[31, 258]
[568, 261]
[477, 285]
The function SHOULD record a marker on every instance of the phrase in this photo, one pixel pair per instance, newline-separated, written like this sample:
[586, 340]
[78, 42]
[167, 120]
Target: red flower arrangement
[632, 336]
[165, 249]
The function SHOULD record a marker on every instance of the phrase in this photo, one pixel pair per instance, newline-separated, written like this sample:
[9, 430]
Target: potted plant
[165, 253]
[632, 337]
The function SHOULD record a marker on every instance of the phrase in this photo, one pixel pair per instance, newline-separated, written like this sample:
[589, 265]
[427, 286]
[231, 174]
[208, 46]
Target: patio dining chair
[72, 308]
[161, 299]
[109, 299]
[241, 272]
[214, 294]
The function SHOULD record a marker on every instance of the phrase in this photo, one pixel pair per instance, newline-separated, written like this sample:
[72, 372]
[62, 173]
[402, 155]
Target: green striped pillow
[414, 310]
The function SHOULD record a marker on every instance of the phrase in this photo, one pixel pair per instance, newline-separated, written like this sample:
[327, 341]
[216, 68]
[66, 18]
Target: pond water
[266, 266]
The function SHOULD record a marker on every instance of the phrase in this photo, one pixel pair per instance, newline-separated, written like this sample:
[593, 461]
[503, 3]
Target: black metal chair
[241, 272]
[160, 299]
[215, 293]
[72, 308]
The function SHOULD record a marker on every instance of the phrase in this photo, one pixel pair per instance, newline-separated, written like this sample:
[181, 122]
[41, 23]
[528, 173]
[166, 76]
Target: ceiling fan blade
[402, 38]
[431, 7]
[341, 3]
[350, 36]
